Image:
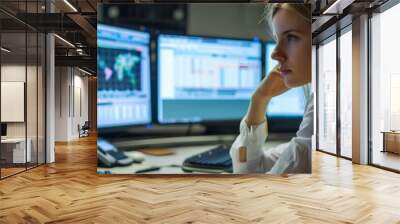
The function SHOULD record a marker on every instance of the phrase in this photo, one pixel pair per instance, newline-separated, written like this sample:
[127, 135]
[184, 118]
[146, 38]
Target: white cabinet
[18, 149]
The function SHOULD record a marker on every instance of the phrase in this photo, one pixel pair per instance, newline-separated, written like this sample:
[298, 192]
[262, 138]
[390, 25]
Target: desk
[169, 164]
[13, 150]
[391, 141]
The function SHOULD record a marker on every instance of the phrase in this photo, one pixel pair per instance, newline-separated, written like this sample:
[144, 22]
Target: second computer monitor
[204, 79]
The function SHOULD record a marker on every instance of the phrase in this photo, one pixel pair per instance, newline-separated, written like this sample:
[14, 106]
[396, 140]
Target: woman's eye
[291, 37]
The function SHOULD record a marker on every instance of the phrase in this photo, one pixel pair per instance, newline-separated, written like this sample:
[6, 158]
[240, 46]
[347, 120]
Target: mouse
[137, 157]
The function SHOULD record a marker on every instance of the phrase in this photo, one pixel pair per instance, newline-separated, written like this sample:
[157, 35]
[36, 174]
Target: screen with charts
[123, 64]
[206, 79]
[289, 104]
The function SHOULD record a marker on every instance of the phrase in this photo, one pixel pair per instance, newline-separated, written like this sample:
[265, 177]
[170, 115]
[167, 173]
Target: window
[385, 88]
[326, 88]
[346, 93]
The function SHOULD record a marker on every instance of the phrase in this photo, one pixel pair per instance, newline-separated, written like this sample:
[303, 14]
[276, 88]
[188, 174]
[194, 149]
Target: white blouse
[291, 157]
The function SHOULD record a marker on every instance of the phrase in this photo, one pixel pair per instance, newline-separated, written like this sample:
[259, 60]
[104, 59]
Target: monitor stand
[173, 141]
[175, 135]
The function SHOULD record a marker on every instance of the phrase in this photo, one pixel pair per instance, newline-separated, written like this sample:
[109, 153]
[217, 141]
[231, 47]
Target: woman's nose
[278, 55]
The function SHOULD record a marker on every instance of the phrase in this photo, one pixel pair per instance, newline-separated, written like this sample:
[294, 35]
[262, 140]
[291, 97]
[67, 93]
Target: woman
[291, 25]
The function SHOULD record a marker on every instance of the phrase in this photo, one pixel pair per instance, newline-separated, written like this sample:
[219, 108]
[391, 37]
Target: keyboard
[215, 160]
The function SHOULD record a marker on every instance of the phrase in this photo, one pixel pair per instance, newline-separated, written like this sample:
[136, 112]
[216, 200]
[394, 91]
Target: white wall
[12, 73]
[70, 83]
[61, 103]
[82, 82]
[80, 94]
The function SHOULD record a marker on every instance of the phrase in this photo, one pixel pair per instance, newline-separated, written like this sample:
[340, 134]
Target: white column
[360, 90]
[314, 90]
[50, 93]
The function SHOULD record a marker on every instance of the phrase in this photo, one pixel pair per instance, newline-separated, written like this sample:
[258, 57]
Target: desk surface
[13, 140]
[390, 132]
[169, 164]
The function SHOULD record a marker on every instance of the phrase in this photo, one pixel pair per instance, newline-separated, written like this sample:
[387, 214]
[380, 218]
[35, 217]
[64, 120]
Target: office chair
[84, 130]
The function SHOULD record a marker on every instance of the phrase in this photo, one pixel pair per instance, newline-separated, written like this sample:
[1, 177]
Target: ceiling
[73, 20]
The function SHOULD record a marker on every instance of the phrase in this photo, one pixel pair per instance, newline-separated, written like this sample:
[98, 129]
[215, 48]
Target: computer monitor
[123, 63]
[290, 104]
[203, 79]
[3, 129]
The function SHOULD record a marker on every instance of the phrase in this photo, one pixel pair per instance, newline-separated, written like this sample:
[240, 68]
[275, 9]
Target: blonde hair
[303, 10]
[270, 10]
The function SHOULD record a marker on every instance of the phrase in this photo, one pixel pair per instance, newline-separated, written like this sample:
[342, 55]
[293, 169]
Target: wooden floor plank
[70, 191]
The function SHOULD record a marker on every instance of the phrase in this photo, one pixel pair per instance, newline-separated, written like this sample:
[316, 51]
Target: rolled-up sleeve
[291, 157]
[252, 139]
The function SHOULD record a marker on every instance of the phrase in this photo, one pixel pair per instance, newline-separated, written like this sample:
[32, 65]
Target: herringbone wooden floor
[70, 191]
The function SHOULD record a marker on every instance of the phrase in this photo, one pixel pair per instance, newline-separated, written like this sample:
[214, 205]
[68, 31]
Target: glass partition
[31, 97]
[22, 77]
[326, 88]
[41, 110]
[14, 145]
